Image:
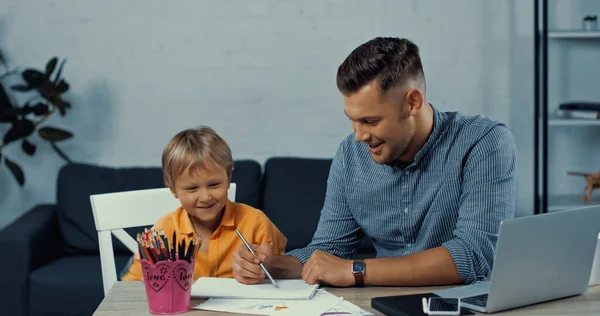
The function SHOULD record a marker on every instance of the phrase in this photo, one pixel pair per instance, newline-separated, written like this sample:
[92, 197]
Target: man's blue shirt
[459, 188]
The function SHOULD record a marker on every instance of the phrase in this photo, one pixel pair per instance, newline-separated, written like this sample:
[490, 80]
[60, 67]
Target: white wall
[262, 73]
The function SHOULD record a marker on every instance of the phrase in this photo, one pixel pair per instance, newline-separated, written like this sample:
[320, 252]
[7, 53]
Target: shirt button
[409, 245]
[407, 172]
[406, 210]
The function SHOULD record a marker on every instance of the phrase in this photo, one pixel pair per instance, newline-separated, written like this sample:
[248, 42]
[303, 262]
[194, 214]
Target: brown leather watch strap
[358, 279]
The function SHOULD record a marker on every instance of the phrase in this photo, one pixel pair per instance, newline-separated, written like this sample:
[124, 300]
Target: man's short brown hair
[194, 148]
[391, 60]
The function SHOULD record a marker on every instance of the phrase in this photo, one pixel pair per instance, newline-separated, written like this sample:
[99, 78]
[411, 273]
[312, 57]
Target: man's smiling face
[383, 123]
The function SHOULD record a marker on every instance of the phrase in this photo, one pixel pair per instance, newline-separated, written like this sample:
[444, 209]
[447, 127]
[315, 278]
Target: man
[429, 188]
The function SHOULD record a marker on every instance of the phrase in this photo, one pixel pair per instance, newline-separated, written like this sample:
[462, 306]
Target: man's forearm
[286, 267]
[430, 267]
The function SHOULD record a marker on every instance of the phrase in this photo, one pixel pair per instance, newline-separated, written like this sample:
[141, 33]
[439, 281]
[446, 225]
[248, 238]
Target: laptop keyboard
[478, 300]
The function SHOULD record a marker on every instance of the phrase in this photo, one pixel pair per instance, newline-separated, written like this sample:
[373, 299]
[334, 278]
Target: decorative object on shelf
[576, 115]
[578, 110]
[593, 182]
[590, 23]
[46, 90]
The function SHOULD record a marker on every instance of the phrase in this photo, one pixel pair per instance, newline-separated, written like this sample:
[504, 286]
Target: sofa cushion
[293, 195]
[76, 182]
[246, 176]
[68, 286]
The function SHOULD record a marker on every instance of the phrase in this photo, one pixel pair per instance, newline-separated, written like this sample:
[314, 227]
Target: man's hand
[325, 267]
[245, 265]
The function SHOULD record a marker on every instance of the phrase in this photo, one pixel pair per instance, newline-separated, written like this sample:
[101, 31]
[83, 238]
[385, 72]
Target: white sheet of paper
[321, 302]
[231, 288]
[347, 308]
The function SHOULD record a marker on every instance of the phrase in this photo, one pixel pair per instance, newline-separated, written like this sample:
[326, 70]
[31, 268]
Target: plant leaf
[7, 112]
[50, 66]
[16, 171]
[7, 115]
[48, 92]
[4, 100]
[40, 109]
[20, 128]
[2, 59]
[34, 78]
[5, 106]
[54, 134]
[26, 109]
[60, 152]
[28, 147]
[60, 105]
[62, 86]
[60, 68]
[21, 87]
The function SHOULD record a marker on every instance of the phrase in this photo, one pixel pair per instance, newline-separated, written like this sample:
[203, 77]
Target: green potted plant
[46, 88]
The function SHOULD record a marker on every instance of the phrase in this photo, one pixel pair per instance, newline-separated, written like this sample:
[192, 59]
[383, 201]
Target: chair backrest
[115, 211]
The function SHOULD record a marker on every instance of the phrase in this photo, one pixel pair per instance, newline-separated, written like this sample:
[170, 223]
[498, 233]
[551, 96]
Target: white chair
[115, 211]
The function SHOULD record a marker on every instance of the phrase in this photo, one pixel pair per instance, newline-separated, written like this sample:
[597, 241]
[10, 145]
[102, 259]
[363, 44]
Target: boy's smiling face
[203, 193]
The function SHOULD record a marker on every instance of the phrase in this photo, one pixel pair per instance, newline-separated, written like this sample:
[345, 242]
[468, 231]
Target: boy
[197, 166]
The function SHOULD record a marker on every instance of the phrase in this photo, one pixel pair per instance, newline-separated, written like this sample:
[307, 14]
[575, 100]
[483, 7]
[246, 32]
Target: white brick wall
[262, 73]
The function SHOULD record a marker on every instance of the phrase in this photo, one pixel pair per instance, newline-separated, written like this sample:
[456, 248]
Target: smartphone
[443, 306]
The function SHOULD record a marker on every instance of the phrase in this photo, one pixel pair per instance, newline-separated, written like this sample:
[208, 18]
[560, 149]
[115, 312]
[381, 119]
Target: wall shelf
[573, 34]
[545, 116]
[573, 122]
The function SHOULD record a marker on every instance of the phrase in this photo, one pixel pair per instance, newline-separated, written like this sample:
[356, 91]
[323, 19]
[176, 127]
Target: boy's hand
[245, 265]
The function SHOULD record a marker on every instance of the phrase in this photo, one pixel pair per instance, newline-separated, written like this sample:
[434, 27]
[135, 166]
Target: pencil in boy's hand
[260, 263]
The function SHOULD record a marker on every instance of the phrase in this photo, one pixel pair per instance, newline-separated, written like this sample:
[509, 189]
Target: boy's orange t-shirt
[254, 225]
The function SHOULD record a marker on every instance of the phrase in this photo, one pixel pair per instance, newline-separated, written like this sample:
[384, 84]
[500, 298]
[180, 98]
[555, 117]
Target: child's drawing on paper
[251, 306]
[261, 307]
[321, 302]
[346, 308]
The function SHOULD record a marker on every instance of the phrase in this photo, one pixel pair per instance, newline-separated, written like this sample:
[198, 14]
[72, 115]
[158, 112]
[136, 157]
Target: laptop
[538, 258]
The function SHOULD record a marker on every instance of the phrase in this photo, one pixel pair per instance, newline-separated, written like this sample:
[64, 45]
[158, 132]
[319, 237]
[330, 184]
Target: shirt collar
[229, 216]
[433, 137]
[185, 223]
[187, 228]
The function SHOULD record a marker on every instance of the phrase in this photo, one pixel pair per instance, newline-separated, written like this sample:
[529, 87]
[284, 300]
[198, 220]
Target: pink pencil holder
[168, 285]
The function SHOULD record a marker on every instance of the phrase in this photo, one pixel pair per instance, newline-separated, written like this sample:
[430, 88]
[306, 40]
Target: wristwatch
[358, 270]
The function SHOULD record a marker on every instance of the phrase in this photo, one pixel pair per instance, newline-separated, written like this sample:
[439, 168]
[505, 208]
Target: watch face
[358, 267]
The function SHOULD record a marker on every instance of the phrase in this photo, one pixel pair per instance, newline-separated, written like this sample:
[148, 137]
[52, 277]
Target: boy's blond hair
[194, 148]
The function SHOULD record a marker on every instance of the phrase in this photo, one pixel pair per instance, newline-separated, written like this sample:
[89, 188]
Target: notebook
[296, 289]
